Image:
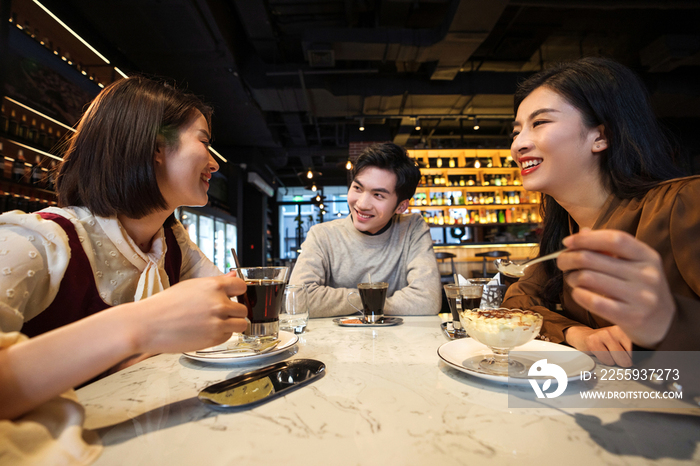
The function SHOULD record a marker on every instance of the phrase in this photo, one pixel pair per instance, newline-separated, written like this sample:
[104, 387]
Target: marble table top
[386, 399]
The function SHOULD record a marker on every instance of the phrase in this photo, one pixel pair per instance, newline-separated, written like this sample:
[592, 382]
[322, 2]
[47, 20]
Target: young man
[376, 238]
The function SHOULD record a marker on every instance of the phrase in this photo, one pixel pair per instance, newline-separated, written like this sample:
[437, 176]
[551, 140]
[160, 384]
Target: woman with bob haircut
[585, 137]
[110, 273]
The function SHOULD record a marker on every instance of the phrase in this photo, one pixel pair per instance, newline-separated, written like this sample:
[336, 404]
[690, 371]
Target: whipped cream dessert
[501, 328]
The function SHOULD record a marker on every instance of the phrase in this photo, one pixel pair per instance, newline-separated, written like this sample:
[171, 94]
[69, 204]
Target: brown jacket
[667, 218]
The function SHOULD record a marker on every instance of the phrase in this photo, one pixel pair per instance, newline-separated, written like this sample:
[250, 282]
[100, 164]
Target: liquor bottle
[51, 184]
[470, 182]
[41, 137]
[439, 163]
[23, 128]
[50, 139]
[33, 132]
[452, 162]
[6, 164]
[497, 181]
[497, 198]
[509, 215]
[4, 121]
[501, 217]
[12, 125]
[18, 167]
[37, 173]
[461, 181]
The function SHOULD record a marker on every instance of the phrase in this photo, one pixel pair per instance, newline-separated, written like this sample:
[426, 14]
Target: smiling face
[557, 154]
[373, 200]
[183, 172]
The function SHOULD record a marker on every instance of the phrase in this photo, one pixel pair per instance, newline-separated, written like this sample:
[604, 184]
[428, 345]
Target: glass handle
[456, 323]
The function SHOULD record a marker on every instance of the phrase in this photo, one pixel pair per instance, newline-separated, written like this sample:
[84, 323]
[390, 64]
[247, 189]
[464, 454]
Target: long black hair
[638, 157]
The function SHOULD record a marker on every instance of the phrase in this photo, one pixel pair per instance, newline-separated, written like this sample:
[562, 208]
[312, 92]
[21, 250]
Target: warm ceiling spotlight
[348, 166]
[477, 164]
[318, 197]
[320, 206]
[476, 124]
[417, 124]
[309, 174]
[313, 188]
[362, 124]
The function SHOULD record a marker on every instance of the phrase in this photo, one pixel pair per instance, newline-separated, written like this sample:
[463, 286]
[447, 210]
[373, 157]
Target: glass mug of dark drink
[373, 296]
[263, 298]
[461, 297]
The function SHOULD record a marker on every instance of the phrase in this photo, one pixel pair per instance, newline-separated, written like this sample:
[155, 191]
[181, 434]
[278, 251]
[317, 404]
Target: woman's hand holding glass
[191, 315]
[621, 279]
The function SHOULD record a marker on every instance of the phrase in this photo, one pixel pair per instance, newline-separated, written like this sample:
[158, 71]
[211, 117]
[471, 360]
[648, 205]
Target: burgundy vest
[77, 295]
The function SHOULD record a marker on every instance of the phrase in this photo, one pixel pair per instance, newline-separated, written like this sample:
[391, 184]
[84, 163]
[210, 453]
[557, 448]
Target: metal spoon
[512, 269]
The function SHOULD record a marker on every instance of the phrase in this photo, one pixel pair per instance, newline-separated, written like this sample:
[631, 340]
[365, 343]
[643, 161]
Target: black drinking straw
[238, 264]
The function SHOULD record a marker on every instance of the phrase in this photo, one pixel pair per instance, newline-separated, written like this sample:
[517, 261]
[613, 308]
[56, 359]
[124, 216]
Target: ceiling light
[417, 124]
[318, 197]
[309, 174]
[348, 166]
[313, 187]
[476, 124]
[71, 31]
[320, 206]
[362, 124]
[477, 164]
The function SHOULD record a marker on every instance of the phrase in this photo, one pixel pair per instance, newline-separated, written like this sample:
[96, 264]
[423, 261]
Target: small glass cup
[263, 298]
[294, 314]
[373, 297]
[462, 297]
[493, 294]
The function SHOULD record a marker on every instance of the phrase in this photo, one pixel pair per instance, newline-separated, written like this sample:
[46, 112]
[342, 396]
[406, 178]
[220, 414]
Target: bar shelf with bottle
[472, 187]
[29, 154]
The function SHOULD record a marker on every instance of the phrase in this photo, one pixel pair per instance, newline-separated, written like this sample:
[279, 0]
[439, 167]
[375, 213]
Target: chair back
[446, 277]
[490, 255]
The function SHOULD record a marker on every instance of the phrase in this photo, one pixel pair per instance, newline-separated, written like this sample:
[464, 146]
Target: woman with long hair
[585, 137]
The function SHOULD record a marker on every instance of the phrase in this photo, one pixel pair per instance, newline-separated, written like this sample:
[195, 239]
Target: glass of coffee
[263, 298]
[462, 297]
[373, 296]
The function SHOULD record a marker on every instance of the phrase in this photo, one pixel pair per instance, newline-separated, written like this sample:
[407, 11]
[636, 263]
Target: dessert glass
[501, 330]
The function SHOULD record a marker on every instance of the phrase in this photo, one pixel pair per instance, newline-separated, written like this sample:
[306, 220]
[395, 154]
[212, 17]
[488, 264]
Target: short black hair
[109, 166]
[389, 156]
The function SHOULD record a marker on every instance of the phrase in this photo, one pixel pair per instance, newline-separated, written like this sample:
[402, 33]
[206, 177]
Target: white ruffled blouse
[34, 255]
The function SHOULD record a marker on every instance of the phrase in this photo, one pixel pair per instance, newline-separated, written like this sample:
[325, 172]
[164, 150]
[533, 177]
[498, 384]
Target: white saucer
[464, 355]
[287, 340]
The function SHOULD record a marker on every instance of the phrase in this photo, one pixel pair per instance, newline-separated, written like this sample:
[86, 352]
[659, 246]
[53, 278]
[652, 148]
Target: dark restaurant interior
[298, 86]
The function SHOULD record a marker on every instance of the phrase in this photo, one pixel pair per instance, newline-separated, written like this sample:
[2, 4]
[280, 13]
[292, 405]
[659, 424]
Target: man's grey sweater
[336, 257]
